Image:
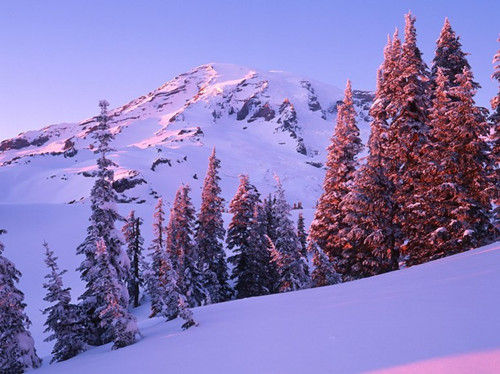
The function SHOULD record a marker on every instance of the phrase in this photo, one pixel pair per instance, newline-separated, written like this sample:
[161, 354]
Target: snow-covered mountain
[261, 123]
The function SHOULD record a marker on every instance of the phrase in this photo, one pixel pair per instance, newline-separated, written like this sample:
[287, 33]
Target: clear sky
[57, 58]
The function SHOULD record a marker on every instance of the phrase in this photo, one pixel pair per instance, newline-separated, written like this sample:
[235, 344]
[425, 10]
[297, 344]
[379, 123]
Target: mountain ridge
[281, 120]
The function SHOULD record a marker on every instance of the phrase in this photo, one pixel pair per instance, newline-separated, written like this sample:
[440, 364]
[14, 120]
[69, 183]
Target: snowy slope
[260, 122]
[442, 314]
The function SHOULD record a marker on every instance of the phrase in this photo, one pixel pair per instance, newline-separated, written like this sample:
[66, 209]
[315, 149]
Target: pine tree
[246, 237]
[302, 235]
[158, 253]
[268, 216]
[340, 167]
[119, 325]
[449, 57]
[292, 269]
[63, 318]
[17, 348]
[495, 140]
[324, 273]
[456, 194]
[265, 224]
[102, 225]
[368, 245]
[134, 241]
[169, 301]
[210, 234]
[182, 249]
[407, 135]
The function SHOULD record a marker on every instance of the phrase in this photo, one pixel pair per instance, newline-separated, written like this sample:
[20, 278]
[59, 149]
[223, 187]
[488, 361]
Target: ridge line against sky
[59, 58]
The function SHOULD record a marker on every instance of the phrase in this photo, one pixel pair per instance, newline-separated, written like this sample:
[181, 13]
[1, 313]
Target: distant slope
[441, 313]
[260, 122]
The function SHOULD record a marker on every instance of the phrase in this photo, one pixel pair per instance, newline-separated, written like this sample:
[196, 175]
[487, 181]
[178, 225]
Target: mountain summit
[261, 123]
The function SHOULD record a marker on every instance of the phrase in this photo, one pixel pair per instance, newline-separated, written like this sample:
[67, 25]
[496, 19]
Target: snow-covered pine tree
[457, 184]
[119, 325]
[63, 318]
[340, 167]
[170, 303]
[495, 140]
[182, 248]
[134, 241]
[264, 218]
[210, 234]
[368, 209]
[302, 235]
[246, 238]
[17, 348]
[157, 253]
[292, 268]
[102, 226]
[449, 57]
[323, 273]
[268, 216]
[407, 135]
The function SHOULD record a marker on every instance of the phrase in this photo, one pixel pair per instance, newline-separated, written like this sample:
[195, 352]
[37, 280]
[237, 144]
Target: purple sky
[59, 57]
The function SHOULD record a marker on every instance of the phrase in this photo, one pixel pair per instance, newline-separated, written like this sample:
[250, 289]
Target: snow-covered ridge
[260, 122]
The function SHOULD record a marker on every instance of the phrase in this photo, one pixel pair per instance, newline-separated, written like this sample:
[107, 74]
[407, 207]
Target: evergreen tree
[456, 193]
[170, 303]
[495, 135]
[158, 253]
[368, 245]
[63, 318]
[302, 235]
[292, 269]
[269, 219]
[340, 166]
[102, 226]
[407, 135]
[134, 241]
[323, 274]
[17, 348]
[449, 57]
[119, 325]
[246, 237]
[210, 234]
[181, 247]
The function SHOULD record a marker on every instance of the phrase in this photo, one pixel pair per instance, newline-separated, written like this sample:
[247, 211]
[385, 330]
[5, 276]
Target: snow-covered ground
[438, 317]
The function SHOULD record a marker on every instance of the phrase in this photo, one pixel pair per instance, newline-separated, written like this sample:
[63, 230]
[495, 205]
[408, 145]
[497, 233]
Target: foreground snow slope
[443, 314]
[447, 309]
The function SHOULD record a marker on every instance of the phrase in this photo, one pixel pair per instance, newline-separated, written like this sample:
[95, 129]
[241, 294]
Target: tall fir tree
[63, 321]
[182, 249]
[368, 209]
[457, 184]
[449, 57]
[323, 273]
[495, 140]
[246, 238]
[210, 234]
[292, 268]
[302, 235]
[134, 242]
[17, 348]
[157, 252]
[102, 226]
[340, 167]
[119, 325]
[407, 135]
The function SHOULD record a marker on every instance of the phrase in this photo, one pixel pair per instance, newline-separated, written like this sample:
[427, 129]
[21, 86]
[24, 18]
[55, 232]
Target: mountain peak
[261, 122]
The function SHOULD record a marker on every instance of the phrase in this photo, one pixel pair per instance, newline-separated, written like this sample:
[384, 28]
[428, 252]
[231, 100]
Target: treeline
[426, 187]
